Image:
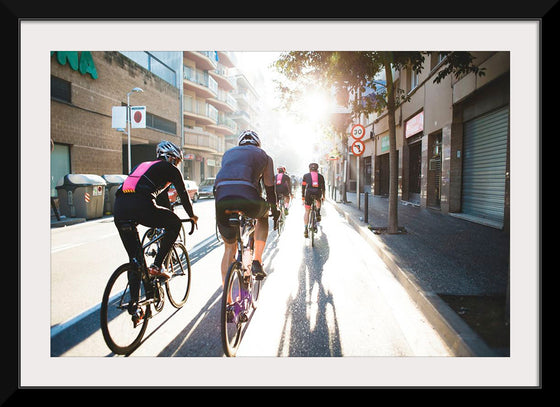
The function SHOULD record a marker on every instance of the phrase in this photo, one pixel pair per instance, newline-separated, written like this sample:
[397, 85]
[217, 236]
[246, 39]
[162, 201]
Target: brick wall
[85, 123]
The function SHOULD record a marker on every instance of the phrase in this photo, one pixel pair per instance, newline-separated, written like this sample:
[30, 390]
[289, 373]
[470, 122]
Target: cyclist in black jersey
[283, 187]
[238, 186]
[136, 199]
[312, 188]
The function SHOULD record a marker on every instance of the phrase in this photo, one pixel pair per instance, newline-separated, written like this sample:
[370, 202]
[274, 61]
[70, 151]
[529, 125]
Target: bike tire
[312, 225]
[116, 323]
[178, 286]
[231, 331]
[281, 223]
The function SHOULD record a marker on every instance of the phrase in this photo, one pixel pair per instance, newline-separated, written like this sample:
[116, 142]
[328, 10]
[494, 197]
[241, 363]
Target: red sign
[358, 147]
[358, 131]
[414, 125]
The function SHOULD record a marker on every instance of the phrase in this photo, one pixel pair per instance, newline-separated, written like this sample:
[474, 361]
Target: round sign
[358, 147]
[137, 116]
[358, 131]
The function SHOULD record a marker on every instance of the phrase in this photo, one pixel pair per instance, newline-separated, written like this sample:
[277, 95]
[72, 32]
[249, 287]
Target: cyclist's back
[237, 186]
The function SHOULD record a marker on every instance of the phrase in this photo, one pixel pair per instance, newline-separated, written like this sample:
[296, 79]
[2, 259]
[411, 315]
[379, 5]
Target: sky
[291, 142]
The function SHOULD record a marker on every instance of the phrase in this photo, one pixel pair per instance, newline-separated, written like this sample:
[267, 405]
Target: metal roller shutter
[484, 165]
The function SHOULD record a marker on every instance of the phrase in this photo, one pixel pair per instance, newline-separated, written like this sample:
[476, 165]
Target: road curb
[456, 333]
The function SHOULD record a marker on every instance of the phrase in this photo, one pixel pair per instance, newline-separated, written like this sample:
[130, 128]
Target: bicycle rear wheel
[179, 284]
[312, 226]
[119, 332]
[231, 322]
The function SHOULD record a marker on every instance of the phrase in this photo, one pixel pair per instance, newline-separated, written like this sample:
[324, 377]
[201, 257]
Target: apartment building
[452, 142]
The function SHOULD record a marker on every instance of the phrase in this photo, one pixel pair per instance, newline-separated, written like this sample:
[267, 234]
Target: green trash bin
[113, 183]
[81, 195]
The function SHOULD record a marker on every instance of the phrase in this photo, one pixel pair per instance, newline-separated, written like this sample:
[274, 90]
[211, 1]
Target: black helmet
[167, 149]
[313, 167]
[249, 137]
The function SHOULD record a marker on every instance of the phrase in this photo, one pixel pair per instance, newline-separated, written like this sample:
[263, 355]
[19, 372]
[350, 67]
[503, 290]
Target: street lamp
[135, 90]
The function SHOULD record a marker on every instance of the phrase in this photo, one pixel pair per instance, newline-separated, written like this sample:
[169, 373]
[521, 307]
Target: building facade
[452, 142]
[85, 86]
[191, 99]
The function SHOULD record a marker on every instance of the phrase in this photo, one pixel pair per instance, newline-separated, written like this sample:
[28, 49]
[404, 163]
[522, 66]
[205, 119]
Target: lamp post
[135, 90]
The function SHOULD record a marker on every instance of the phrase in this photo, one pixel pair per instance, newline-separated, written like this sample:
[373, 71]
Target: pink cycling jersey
[129, 184]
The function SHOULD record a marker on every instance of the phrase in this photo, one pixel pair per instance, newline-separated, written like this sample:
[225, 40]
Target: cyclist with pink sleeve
[312, 188]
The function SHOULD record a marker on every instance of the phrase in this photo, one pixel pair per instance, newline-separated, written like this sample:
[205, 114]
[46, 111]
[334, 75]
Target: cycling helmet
[281, 169]
[167, 149]
[313, 167]
[249, 137]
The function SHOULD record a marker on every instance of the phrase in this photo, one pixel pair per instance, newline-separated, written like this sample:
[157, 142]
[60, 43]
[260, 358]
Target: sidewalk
[443, 260]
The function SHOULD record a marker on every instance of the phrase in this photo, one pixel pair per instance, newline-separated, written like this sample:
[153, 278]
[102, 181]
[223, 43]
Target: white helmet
[168, 149]
[249, 137]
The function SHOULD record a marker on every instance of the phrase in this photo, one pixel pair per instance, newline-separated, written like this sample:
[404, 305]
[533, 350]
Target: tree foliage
[353, 74]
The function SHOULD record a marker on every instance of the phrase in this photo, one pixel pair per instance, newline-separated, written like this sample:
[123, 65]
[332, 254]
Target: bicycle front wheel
[119, 332]
[178, 285]
[231, 320]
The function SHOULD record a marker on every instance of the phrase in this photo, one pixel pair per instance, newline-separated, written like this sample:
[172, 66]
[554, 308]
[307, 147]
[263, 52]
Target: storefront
[413, 134]
[484, 165]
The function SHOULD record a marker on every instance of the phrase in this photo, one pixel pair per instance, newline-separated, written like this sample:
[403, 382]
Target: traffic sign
[358, 147]
[358, 131]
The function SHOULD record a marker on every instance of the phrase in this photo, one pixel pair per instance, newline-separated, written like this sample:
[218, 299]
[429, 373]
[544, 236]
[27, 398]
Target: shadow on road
[311, 328]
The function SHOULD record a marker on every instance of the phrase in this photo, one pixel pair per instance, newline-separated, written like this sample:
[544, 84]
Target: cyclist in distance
[136, 198]
[283, 187]
[312, 188]
[238, 186]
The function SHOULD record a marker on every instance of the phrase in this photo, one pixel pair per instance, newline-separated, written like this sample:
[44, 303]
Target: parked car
[192, 190]
[206, 188]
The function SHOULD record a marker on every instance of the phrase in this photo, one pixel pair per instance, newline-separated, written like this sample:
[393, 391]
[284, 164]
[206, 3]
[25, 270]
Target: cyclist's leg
[123, 212]
[227, 232]
[318, 207]
[157, 216]
[307, 204]
[129, 236]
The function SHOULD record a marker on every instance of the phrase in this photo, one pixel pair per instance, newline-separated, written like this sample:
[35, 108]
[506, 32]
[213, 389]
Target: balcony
[225, 126]
[198, 110]
[200, 82]
[224, 102]
[220, 74]
[198, 139]
[205, 60]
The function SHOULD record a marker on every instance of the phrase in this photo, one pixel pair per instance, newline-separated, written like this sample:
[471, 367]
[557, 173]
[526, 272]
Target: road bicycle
[241, 288]
[121, 332]
[280, 223]
[151, 233]
[312, 222]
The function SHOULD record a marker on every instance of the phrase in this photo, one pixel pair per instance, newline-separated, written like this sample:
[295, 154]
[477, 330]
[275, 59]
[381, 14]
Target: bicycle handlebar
[193, 224]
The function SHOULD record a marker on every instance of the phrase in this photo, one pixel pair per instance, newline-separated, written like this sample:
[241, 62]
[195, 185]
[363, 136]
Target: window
[161, 124]
[61, 90]
[413, 80]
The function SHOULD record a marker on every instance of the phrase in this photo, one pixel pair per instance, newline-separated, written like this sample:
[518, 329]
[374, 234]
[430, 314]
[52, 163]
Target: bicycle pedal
[243, 316]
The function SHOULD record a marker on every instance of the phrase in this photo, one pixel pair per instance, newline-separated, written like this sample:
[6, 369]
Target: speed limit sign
[358, 131]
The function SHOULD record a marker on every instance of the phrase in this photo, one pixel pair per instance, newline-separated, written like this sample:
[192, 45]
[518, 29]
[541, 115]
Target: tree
[350, 73]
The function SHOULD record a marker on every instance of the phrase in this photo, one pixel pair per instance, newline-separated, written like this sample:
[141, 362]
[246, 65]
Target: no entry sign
[138, 117]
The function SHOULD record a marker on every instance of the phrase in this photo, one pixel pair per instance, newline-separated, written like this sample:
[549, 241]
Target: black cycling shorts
[310, 194]
[237, 197]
